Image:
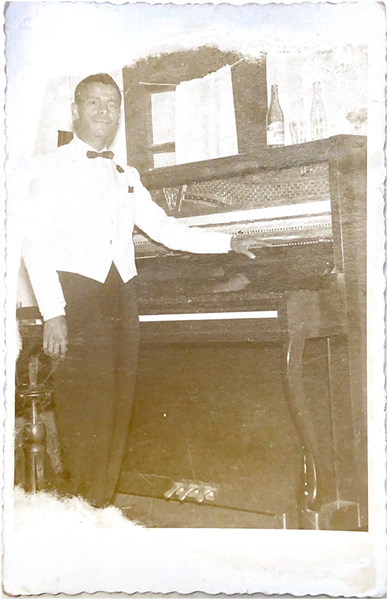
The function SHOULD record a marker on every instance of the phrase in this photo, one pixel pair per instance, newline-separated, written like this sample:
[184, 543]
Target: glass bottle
[275, 120]
[318, 120]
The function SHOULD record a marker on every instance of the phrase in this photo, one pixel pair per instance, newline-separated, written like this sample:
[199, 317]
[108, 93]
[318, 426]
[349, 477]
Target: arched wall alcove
[165, 71]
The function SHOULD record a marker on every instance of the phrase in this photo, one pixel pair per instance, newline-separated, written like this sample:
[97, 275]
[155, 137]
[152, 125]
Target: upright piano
[306, 205]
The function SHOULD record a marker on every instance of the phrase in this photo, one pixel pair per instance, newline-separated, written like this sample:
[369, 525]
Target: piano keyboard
[292, 224]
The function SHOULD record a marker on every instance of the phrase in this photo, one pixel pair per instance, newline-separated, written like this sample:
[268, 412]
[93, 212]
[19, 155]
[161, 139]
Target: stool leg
[34, 451]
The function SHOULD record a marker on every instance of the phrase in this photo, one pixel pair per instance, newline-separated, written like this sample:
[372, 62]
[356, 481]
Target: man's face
[96, 115]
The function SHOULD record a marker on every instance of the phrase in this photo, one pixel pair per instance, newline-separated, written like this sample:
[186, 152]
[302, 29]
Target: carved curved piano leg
[308, 491]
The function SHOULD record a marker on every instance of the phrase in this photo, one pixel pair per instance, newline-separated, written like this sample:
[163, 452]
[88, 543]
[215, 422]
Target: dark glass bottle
[318, 120]
[275, 120]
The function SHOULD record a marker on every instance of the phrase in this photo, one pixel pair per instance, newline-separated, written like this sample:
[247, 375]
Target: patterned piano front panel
[274, 188]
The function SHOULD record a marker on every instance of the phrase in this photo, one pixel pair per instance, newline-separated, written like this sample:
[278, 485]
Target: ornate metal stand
[34, 400]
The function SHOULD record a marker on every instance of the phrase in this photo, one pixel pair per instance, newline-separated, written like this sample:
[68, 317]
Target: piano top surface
[308, 153]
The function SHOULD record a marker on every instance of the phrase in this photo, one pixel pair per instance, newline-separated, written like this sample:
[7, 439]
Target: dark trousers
[94, 385]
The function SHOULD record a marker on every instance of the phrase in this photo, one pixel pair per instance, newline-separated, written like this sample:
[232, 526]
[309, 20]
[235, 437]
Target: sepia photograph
[194, 271]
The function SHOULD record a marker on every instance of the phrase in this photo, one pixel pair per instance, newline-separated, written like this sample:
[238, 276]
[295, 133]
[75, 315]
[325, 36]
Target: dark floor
[214, 414]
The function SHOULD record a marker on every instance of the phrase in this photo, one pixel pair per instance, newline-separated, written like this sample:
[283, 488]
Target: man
[80, 257]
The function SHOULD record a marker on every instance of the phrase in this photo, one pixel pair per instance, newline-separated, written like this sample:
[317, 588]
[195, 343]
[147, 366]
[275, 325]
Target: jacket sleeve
[152, 219]
[37, 250]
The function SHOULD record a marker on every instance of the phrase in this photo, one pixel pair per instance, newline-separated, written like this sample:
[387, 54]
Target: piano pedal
[198, 491]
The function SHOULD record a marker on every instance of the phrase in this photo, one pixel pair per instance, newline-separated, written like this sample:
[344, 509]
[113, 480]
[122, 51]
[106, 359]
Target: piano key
[216, 316]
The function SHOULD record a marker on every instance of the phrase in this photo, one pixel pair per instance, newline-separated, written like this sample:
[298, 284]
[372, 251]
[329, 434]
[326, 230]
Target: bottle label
[275, 134]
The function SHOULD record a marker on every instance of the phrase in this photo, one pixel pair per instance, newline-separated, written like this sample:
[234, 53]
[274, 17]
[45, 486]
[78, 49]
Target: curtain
[205, 123]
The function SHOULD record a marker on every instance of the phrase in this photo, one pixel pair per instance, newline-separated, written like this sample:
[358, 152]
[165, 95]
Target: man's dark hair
[97, 78]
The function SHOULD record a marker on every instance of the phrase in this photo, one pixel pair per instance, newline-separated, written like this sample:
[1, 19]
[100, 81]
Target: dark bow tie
[105, 154]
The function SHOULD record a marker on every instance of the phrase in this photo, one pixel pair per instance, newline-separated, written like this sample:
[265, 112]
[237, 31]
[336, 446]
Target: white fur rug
[53, 545]
[48, 539]
[32, 511]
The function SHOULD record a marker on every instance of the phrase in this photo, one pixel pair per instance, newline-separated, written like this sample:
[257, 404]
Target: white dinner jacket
[80, 217]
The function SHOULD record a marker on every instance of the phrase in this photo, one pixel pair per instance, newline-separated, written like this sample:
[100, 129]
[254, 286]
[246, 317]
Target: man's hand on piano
[242, 245]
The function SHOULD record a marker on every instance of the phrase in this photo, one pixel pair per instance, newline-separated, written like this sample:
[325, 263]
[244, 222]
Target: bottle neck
[317, 87]
[317, 92]
[274, 93]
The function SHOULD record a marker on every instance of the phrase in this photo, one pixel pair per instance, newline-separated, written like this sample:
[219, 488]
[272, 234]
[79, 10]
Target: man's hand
[55, 337]
[242, 245]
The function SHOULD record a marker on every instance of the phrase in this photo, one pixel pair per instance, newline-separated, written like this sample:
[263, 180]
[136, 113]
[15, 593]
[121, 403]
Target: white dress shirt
[80, 219]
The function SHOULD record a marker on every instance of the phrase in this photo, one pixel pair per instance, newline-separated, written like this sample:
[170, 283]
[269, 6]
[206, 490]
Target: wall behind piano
[343, 74]
[47, 41]
[49, 44]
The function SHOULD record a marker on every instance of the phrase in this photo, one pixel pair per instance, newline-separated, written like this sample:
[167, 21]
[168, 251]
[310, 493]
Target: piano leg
[308, 500]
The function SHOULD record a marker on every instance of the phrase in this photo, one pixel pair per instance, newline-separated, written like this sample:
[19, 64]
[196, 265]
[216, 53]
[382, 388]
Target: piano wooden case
[306, 205]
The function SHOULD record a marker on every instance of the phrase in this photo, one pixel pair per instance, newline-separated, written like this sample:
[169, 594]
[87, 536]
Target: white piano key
[219, 316]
